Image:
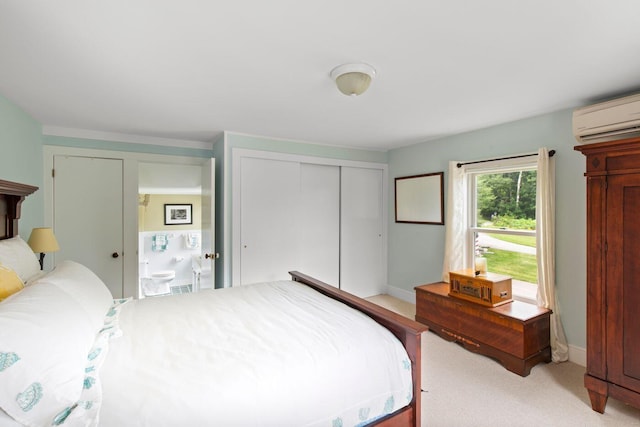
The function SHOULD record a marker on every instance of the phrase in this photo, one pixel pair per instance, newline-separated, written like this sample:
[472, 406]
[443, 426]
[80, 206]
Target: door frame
[130, 197]
[236, 160]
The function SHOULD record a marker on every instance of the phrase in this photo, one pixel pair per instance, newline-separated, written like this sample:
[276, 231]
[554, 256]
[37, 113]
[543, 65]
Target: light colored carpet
[466, 389]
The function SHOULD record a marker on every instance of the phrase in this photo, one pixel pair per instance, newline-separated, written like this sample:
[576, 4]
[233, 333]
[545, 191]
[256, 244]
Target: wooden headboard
[11, 196]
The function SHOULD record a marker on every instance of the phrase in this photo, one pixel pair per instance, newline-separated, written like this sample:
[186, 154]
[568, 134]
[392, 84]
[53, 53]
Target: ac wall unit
[607, 121]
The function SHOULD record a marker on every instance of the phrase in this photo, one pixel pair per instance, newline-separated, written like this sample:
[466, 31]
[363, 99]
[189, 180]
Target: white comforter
[276, 354]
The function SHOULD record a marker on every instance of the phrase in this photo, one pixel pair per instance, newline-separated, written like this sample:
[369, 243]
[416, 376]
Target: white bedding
[51, 341]
[276, 354]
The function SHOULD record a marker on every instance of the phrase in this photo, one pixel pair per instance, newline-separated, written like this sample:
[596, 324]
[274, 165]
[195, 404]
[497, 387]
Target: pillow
[18, 256]
[10, 283]
[44, 342]
[88, 408]
[84, 287]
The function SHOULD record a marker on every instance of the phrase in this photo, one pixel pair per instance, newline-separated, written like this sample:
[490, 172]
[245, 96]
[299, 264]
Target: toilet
[159, 283]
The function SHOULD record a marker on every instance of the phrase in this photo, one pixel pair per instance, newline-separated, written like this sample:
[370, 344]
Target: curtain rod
[551, 153]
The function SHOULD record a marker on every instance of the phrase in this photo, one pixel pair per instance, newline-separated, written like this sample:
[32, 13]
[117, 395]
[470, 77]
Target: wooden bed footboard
[409, 333]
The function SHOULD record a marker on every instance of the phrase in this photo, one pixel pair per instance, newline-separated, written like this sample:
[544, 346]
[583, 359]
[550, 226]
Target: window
[478, 195]
[502, 222]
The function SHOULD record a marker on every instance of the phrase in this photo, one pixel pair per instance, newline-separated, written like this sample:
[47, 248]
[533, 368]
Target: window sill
[525, 292]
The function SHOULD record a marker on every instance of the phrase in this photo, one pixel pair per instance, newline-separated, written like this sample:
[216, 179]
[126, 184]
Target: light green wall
[21, 160]
[302, 148]
[416, 251]
[98, 144]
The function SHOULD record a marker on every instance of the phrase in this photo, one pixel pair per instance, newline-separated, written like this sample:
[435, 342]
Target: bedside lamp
[42, 240]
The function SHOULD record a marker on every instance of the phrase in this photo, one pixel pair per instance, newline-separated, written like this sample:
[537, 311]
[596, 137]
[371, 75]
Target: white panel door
[269, 195]
[208, 221]
[88, 215]
[361, 248]
[319, 213]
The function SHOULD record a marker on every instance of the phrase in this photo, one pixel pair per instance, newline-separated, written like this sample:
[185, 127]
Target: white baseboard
[403, 294]
[577, 355]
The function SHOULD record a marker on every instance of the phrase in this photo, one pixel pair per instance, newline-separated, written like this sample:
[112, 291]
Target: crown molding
[121, 137]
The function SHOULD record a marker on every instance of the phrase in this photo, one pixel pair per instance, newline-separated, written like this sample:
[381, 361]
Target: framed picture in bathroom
[178, 214]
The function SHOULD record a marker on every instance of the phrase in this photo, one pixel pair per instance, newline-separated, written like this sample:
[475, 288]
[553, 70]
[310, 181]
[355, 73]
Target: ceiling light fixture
[353, 79]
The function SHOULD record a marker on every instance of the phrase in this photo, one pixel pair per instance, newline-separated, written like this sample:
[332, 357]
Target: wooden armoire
[613, 271]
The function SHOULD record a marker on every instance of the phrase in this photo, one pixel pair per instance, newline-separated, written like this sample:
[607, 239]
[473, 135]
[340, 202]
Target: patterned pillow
[10, 283]
[44, 341]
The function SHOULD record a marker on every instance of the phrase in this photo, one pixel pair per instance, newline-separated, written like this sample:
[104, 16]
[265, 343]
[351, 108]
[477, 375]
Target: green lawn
[517, 265]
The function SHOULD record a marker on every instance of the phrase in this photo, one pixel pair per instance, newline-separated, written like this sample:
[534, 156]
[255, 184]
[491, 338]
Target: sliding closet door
[319, 214]
[290, 220]
[268, 219]
[324, 219]
[362, 255]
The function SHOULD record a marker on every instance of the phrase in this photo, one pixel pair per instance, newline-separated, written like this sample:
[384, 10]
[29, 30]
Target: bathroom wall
[151, 217]
[177, 256]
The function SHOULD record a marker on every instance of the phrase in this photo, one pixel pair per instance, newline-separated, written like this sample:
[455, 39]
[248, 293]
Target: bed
[296, 352]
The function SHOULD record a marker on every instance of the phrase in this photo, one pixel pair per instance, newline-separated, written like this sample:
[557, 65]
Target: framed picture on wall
[178, 214]
[420, 199]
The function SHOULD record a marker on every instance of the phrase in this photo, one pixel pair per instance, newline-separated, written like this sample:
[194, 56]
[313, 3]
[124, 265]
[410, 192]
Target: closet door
[269, 196]
[88, 216]
[319, 214]
[325, 220]
[362, 258]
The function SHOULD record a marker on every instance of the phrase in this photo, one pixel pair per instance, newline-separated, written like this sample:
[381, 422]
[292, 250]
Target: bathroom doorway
[172, 199]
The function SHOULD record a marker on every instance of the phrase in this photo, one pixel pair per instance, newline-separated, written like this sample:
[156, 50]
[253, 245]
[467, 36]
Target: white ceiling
[191, 69]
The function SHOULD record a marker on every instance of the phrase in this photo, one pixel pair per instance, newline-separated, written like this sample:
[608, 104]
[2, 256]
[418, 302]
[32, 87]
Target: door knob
[115, 255]
[212, 256]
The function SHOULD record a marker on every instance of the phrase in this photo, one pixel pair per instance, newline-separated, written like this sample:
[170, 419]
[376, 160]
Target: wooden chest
[516, 333]
[488, 289]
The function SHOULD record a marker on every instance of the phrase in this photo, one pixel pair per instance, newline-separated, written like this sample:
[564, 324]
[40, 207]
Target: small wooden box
[488, 289]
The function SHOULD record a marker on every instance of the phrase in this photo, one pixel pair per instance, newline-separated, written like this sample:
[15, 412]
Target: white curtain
[456, 221]
[545, 246]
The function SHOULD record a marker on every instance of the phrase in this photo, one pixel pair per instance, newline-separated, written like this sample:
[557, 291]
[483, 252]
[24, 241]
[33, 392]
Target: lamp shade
[42, 240]
[353, 79]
